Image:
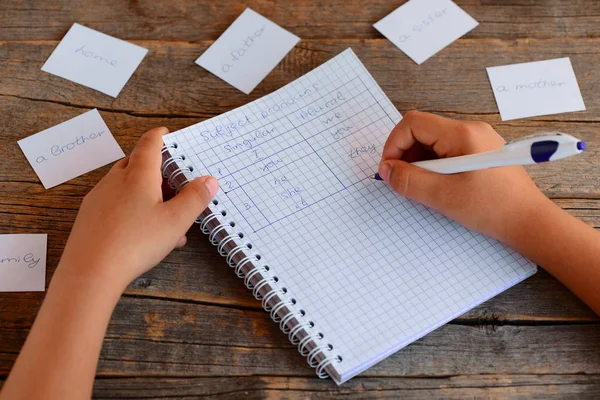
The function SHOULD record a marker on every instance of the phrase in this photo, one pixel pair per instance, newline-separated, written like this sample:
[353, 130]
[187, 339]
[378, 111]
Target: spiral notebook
[351, 271]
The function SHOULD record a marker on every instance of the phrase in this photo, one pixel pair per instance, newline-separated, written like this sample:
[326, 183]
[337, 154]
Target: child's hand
[123, 227]
[491, 201]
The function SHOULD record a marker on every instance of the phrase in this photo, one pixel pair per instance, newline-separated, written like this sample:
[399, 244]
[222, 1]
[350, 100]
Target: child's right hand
[492, 201]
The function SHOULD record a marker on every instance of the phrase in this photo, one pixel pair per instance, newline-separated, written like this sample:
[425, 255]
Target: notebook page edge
[363, 367]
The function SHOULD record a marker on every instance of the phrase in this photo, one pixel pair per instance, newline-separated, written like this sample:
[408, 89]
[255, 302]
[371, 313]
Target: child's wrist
[525, 220]
[71, 275]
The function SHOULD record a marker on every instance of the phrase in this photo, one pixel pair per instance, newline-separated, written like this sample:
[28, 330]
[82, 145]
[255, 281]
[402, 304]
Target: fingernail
[212, 185]
[384, 171]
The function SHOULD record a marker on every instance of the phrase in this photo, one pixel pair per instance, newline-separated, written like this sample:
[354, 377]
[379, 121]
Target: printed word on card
[535, 88]
[247, 51]
[23, 263]
[70, 149]
[95, 60]
[421, 28]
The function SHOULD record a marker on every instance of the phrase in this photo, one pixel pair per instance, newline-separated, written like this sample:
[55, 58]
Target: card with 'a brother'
[71, 148]
[95, 60]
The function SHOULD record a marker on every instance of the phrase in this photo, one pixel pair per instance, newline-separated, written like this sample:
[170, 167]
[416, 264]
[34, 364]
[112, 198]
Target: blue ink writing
[28, 259]
[336, 115]
[424, 24]
[237, 54]
[356, 151]
[318, 110]
[271, 164]
[224, 130]
[541, 84]
[289, 101]
[289, 193]
[57, 150]
[250, 141]
[343, 132]
[93, 56]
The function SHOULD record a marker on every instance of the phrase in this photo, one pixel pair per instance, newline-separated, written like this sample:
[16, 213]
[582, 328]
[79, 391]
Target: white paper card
[23, 263]
[421, 28]
[247, 51]
[535, 88]
[95, 60]
[70, 149]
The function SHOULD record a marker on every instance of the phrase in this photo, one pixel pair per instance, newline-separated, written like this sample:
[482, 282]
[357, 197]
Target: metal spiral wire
[257, 278]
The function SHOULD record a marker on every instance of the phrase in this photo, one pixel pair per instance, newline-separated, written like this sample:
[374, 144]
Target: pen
[531, 149]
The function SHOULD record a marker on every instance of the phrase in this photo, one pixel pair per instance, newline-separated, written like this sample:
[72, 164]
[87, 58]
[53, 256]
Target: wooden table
[189, 328]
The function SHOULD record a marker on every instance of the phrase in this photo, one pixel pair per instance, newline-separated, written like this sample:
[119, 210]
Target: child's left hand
[124, 227]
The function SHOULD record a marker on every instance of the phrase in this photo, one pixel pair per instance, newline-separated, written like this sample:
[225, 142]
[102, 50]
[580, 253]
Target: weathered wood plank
[486, 386]
[188, 20]
[269, 387]
[168, 338]
[451, 350]
[455, 82]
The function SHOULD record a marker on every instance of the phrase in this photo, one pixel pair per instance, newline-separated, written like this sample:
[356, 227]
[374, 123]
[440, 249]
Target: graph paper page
[373, 270]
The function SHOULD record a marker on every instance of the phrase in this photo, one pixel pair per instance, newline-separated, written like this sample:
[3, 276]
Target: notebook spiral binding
[260, 279]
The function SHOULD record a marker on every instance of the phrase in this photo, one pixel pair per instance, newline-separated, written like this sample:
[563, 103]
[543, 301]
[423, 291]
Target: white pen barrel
[472, 162]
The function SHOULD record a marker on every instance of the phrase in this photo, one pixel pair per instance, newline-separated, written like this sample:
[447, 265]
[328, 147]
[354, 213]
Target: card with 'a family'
[95, 60]
[23, 262]
[535, 88]
[247, 51]
[421, 28]
[71, 148]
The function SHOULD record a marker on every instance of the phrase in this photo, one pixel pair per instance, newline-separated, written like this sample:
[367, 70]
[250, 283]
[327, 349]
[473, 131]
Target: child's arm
[503, 203]
[123, 229]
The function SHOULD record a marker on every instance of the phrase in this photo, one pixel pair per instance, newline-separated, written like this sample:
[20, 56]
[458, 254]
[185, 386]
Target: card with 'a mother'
[95, 60]
[535, 88]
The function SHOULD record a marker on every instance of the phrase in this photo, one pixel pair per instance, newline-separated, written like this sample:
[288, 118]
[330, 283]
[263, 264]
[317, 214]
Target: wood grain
[454, 82]
[189, 328]
[165, 337]
[271, 387]
[189, 20]
[268, 387]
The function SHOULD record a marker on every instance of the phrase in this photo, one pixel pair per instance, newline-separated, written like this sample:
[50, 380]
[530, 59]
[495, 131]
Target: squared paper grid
[373, 271]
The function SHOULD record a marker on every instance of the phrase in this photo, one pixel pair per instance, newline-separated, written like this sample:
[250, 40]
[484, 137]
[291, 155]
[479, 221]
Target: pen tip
[376, 177]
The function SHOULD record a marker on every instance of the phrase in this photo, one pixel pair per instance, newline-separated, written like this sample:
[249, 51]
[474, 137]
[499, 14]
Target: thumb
[189, 203]
[416, 183]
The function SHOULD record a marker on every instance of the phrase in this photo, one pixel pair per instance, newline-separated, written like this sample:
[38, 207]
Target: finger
[190, 202]
[426, 187]
[181, 242]
[431, 130]
[121, 164]
[146, 154]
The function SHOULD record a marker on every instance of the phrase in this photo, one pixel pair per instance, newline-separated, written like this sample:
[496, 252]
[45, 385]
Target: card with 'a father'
[247, 51]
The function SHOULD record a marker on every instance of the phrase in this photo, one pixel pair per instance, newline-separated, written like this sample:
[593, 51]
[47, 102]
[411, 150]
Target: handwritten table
[189, 328]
